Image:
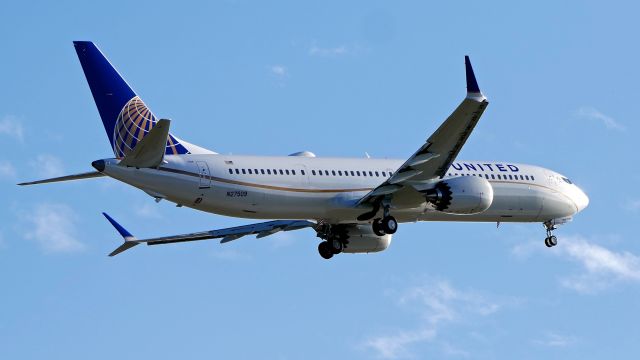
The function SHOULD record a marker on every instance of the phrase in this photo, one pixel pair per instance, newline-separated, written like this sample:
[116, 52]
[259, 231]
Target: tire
[377, 228]
[553, 241]
[325, 250]
[389, 225]
[336, 246]
[546, 242]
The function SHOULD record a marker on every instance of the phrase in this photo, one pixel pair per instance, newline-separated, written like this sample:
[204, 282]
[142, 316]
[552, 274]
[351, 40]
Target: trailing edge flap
[149, 152]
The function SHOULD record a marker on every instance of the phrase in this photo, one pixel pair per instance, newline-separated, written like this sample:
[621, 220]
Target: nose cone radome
[581, 199]
[98, 165]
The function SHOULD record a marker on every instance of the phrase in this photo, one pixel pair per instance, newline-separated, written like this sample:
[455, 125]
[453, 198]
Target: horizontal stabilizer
[149, 152]
[129, 240]
[87, 175]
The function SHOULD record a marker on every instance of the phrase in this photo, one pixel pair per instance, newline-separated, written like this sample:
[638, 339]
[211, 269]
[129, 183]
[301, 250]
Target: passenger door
[205, 175]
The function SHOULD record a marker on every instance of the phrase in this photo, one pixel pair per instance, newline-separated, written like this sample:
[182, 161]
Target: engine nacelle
[461, 195]
[363, 240]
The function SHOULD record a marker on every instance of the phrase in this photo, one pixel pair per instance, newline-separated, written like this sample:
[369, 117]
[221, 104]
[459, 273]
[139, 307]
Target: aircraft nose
[581, 199]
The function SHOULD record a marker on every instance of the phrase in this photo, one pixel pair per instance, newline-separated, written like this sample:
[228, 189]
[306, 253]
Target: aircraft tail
[126, 118]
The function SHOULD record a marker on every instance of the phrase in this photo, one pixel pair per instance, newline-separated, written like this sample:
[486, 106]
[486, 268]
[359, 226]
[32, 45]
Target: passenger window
[287, 172]
[269, 171]
[339, 172]
[384, 174]
[302, 171]
[250, 172]
[320, 172]
[237, 171]
[313, 172]
[486, 176]
[370, 173]
[499, 177]
[493, 177]
[244, 171]
[255, 171]
[281, 173]
[364, 173]
[353, 174]
[521, 177]
[532, 177]
[346, 173]
[230, 171]
[275, 172]
[262, 171]
[377, 174]
[326, 172]
[510, 177]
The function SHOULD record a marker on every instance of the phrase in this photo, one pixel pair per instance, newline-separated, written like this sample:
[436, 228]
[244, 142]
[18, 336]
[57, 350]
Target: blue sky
[339, 79]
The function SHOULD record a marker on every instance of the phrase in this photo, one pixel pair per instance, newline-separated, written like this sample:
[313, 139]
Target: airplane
[354, 205]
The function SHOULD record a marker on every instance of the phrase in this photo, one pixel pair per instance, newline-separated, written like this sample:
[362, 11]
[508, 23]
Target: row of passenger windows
[364, 173]
[313, 172]
[498, 176]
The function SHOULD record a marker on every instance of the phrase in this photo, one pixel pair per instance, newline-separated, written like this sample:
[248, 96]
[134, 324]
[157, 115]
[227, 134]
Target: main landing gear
[386, 225]
[335, 241]
[551, 240]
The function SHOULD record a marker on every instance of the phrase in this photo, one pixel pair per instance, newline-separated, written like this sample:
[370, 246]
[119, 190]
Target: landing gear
[336, 240]
[551, 240]
[389, 225]
[386, 225]
[377, 227]
[324, 248]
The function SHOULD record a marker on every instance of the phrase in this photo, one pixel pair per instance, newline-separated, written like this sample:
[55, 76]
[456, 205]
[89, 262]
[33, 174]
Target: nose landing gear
[551, 240]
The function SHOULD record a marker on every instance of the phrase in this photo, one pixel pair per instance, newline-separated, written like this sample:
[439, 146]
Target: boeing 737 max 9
[353, 205]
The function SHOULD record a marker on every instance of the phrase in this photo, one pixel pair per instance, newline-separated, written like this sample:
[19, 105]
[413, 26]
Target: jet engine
[461, 195]
[362, 240]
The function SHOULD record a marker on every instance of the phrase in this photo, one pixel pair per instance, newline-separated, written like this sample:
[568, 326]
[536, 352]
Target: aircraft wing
[435, 156]
[228, 234]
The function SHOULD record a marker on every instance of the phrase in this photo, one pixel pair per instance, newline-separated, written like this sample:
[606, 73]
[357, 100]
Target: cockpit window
[567, 180]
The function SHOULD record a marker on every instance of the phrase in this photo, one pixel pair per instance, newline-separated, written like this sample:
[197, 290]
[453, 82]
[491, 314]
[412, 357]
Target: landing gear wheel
[336, 246]
[324, 248]
[377, 227]
[551, 241]
[389, 225]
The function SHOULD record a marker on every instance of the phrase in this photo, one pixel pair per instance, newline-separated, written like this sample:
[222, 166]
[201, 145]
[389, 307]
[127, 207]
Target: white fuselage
[327, 189]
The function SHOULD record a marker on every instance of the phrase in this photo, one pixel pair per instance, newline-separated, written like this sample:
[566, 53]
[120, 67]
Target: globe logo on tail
[133, 124]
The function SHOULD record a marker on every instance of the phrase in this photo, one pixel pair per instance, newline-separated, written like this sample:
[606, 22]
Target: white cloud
[47, 165]
[11, 126]
[53, 227]
[593, 114]
[552, 339]
[601, 267]
[439, 305]
[7, 170]
[279, 70]
[396, 346]
[328, 51]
